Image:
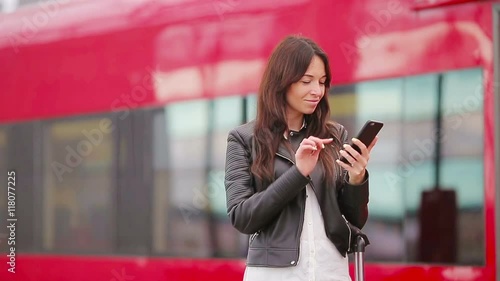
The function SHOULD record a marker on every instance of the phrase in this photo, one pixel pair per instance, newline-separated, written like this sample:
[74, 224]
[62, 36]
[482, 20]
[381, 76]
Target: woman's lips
[312, 101]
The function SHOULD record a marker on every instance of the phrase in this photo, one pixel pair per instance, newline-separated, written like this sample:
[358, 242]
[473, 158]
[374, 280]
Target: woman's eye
[306, 82]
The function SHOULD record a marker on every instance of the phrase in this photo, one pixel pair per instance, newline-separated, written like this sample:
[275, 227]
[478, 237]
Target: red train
[114, 117]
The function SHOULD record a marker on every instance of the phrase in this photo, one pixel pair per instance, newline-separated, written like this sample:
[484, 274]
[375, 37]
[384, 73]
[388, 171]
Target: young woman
[284, 183]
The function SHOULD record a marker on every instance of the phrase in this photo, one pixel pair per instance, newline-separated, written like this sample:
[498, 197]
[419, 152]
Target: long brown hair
[288, 64]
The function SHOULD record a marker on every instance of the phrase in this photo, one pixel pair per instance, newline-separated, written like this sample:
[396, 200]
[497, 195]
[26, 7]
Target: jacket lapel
[284, 152]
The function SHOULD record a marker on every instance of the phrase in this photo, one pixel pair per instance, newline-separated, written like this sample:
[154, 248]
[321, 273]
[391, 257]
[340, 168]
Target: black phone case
[366, 135]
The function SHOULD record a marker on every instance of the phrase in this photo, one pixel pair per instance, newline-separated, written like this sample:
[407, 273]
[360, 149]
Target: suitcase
[438, 237]
[359, 242]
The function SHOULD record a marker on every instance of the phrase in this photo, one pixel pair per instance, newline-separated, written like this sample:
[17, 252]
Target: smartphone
[366, 135]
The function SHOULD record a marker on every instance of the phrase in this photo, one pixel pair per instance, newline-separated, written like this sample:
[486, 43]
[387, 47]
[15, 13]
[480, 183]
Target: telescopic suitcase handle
[360, 241]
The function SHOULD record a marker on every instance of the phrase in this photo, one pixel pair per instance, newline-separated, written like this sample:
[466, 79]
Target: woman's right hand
[307, 154]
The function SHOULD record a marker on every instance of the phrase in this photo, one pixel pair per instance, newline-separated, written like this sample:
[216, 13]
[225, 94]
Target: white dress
[319, 259]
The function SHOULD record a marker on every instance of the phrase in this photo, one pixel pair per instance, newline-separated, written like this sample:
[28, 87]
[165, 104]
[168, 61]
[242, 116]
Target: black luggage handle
[359, 241]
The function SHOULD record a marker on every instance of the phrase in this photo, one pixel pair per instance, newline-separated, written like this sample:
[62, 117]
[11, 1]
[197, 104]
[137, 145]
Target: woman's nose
[316, 90]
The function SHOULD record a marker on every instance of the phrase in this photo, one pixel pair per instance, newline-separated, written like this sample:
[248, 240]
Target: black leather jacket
[274, 217]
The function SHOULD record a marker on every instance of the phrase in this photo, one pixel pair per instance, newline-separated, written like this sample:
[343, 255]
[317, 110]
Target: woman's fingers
[307, 142]
[320, 142]
[344, 165]
[356, 156]
[348, 156]
[313, 145]
[361, 146]
[309, 147]
[308, 152]
[357, 161]
[355, 168]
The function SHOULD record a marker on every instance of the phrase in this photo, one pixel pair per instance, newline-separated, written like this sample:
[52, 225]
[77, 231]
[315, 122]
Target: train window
[189, 212]
[180, 225]
[227, 241]
[462, 163]
[409, 184]
[251, 107]
[78, 186]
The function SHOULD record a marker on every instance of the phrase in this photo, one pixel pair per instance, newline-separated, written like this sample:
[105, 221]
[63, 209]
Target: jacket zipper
[349, 245]
[283, 156]
[254, 236]
[301, 224]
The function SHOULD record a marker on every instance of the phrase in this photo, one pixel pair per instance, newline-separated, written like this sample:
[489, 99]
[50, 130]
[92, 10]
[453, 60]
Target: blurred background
[115, 114]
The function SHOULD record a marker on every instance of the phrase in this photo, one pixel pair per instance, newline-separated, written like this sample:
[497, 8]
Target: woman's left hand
[357, 169]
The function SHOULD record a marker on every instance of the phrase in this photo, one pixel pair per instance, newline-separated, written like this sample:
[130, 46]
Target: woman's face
[303, 96]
